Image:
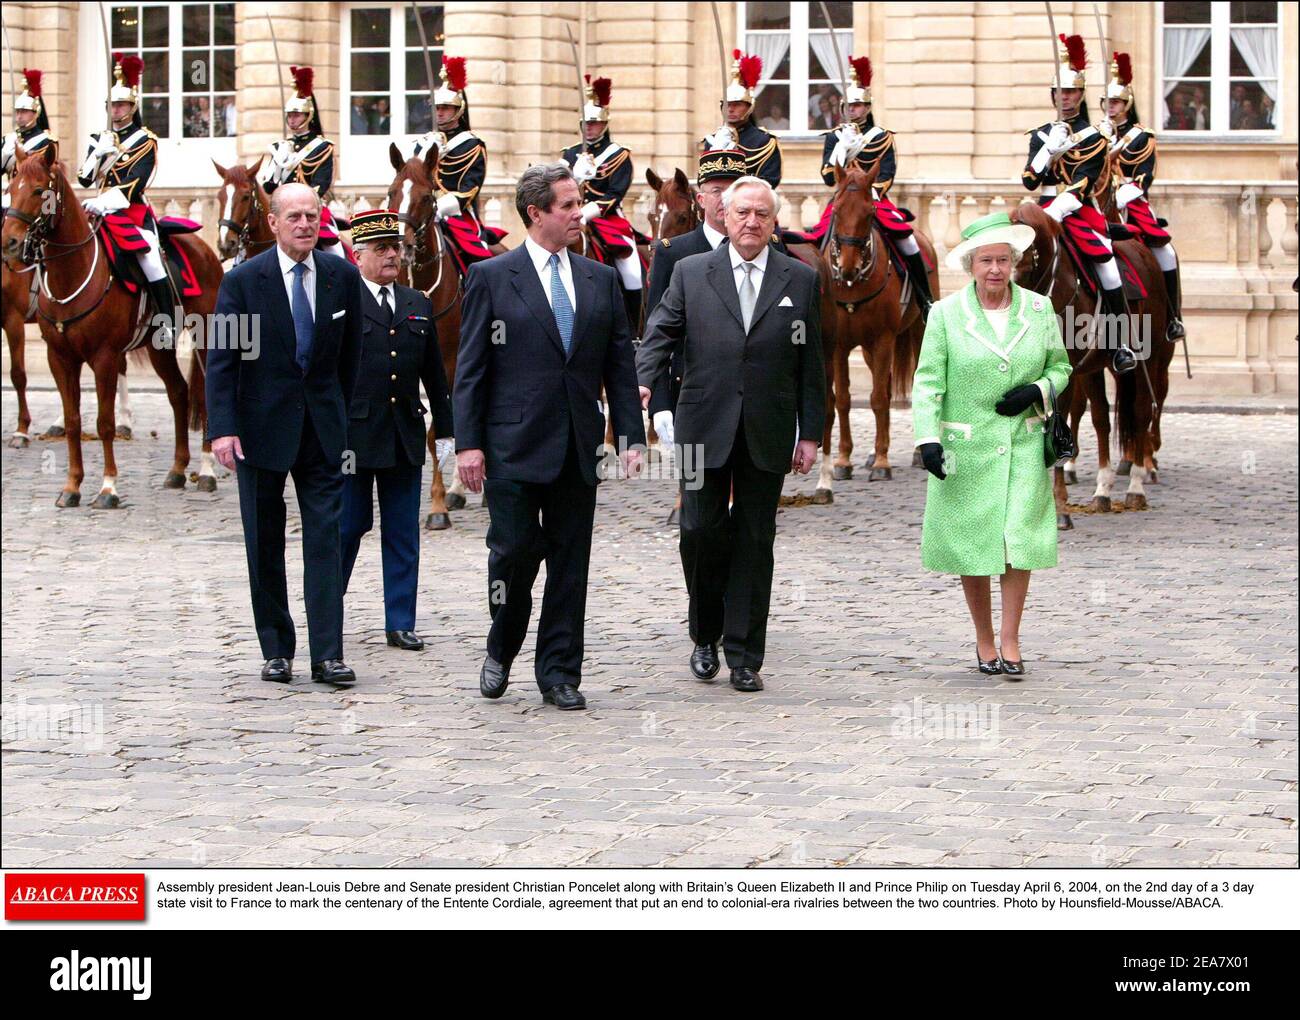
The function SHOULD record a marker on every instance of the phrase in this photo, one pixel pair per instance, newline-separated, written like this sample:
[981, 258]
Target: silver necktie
[748, 296]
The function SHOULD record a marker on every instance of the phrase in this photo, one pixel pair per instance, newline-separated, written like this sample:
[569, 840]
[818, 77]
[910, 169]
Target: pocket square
[785, 302]
[339, 314]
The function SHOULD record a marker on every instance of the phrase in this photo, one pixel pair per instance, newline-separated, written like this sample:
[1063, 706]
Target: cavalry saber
[108, 53]
[13, 74]
[428, 63]
[1101, 35]
[839, 57]
[577, 66]
[279, 67]
[1056, 63]
[722, 48]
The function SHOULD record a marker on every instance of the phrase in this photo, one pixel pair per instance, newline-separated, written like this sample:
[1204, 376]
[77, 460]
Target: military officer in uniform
[1068, 160]
[462, 168]
[120, 162]
[761, 150]
[1133, 164]
[386, 423]
[31, 126]
[306, 156]
[603, 170]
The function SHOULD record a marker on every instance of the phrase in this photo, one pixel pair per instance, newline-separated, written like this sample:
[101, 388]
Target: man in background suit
[386, 430]
[753, 384]
[284, 411]
[541, 331]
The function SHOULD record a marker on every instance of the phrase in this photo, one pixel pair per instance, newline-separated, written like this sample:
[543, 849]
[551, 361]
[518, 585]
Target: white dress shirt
[375, 288]
[713, 237]
[541, 262]
[760, 267]
[308, 278]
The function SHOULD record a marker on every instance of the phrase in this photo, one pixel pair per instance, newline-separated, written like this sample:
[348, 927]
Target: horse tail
[1126, 398]
[907, 351]
[197, 380]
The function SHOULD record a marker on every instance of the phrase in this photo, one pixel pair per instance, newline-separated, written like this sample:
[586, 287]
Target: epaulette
[665, 241]
[775, 239]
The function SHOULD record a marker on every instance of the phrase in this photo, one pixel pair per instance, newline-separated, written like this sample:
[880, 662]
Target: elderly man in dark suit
[386, 430]
[285, 411]
[752, 391]
[541, 331]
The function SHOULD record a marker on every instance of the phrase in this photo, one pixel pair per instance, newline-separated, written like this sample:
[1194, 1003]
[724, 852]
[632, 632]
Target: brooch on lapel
[1038, 304]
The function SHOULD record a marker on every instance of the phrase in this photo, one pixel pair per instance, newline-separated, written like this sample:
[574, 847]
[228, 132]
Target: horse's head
[37, 201]
[1037, 266]
[243, 205]
[411, 196]
[852, 229]
[675, 211]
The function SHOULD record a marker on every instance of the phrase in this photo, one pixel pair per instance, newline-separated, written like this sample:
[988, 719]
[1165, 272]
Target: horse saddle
[1134, 290]
[126, 268]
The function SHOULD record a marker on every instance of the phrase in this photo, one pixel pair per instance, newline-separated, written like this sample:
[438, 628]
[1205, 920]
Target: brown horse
[675, 210]
[873, 310]
[85, 318]
[1047, 268]
[19, 292]
[245, 227]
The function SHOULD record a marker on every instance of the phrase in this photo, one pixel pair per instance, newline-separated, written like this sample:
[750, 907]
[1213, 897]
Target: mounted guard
[762, 150]
[31, 126]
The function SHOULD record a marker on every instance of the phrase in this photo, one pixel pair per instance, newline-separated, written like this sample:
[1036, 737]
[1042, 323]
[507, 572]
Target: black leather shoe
[1175, 331]
[493, 678]
[405, 639]
[333, 671]
[745, 679]
[991, 668]
[704, 661]
[278, 670]
[1012, 667]
[565, 697]
[1124, 361]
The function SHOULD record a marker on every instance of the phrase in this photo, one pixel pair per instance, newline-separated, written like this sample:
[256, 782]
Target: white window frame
[363, 159]
[1220, 83]
[798, 53]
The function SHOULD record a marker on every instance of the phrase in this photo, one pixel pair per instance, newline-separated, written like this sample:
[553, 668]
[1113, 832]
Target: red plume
[862, 68]
[1124, 67]
[736, 54]
[1076, 52]
[33, 77]
[455, 72]
[303, 77]
[132, 65]
[601, 88]
[750, 70]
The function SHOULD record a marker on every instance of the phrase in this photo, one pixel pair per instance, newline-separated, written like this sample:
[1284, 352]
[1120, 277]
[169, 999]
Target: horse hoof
[842, 472]
[1063, 522]
[884, 474]
[1124, 467]
[174, 480]
[106, 501]
[1101, 504]
[207, 483]
[55, 432]
[437, 522]
[1071, 477]
[917, 462]
[673, 516]
[19, 443]
[871, 459]
[1135, 501]
[455, 501]
[67, 499]
[122, 432]
[823, 497]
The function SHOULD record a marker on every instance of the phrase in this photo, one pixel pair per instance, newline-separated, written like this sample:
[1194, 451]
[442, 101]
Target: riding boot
[920, 283]
[1175, 331]
[632, 302]
[165, 305]
[1115, 306]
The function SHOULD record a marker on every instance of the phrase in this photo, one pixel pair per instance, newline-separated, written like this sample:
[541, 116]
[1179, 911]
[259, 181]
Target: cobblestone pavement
[1157, 725]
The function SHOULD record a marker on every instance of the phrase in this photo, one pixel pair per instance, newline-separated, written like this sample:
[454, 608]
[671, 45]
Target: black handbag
[1058, 441]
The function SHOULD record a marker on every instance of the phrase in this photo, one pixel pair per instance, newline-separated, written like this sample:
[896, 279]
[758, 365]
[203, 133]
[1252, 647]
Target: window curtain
[824, 48]
[771, 48]
[1182, 47]
[1258, 47]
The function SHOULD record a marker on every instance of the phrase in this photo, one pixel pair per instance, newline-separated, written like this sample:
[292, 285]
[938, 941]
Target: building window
[202, 37]
[387, 84]
[800, 85]
[1220, 67]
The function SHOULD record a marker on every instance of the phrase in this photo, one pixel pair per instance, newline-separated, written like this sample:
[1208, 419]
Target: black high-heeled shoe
[1012, 667]
[991, 668]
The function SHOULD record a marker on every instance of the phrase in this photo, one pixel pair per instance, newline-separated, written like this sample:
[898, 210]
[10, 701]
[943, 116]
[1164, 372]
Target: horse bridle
[692, 213]
[244, 230]
[866, 265]
[412, 253]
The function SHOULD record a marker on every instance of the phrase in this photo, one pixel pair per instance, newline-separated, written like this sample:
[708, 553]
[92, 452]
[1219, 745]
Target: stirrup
[1123, 361]
[1175, 331]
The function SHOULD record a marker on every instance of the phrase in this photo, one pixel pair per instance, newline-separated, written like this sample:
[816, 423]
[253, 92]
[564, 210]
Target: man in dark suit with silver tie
[541, 331]
[386, 425]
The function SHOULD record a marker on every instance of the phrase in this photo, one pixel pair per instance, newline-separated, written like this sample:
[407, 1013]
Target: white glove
[584, 168]
[590, 211]
[1125, 194]
[1106, 129]
[443, 448]
[105, 144]
[663, 423]
[109, 201]
[1058, 139]
[7, 153]
[429, 141]
[1062, 205]
[851, 143]
[723, 138]
[448, 205]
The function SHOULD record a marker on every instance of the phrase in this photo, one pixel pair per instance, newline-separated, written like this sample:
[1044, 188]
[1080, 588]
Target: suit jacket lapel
[280, 311]
[772, 287]
[977, 325]
[370, 307]
[722, 278]
[327, 296]
[1017, 324]
[529, 288]
[584, 293]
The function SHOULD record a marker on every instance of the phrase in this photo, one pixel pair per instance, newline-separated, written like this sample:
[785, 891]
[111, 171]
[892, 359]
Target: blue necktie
[304, 327]
[560, 304]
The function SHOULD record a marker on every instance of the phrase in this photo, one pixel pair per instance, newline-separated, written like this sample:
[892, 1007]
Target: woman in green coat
[989, 352]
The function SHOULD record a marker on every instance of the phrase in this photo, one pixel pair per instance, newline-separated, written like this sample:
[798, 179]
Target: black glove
[1015, 401]
[932, 458]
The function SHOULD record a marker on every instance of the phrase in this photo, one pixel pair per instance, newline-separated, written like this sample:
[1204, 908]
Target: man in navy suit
[284, 411]
[541, 331]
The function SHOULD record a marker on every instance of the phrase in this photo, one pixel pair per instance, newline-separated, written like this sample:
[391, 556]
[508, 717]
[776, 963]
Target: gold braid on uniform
[603, 174]
[309, 166]
[1129, 160]
[120, 169]
[1070, 162]
[455, 167]
[755, 158]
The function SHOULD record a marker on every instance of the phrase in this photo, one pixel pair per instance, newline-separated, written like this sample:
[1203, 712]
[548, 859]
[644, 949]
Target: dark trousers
[319, 486]
[399, 534]
[727, 555]
[529, 523]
